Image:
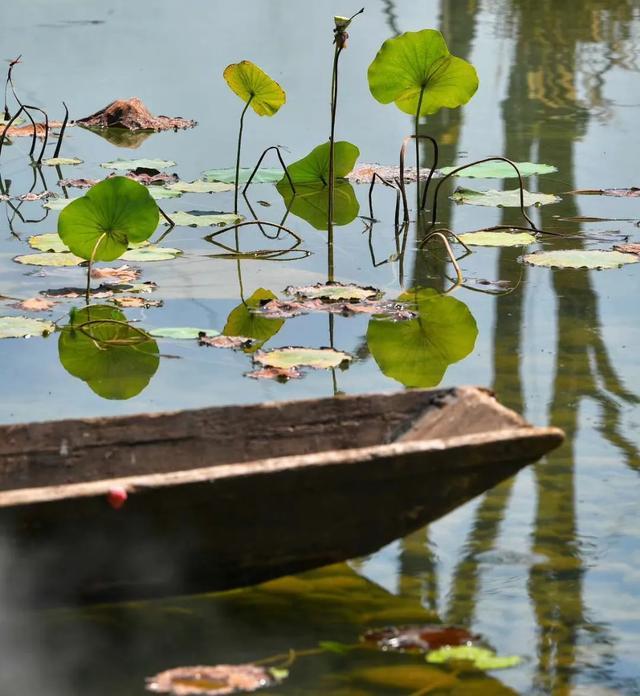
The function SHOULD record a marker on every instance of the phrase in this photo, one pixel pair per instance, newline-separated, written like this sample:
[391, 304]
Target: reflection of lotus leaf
[311, 203]
[416, 61]
[114, 359]
[418, 352]
[121, 137]
[102, 223]
[242, 321]
[248, 81]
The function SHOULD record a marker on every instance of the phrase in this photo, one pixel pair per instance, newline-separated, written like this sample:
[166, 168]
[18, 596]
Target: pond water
[544, 566]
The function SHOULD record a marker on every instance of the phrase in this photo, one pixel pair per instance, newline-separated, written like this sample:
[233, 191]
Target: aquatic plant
[258, 90]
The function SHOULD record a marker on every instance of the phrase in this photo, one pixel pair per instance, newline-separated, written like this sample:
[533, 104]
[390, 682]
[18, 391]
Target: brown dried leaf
[628, 248]
[150, 177]
[136, 302]
[132, 115]
[281, 374]
[418, 638]
[26, 131]
[363, 173]
[35, 196]
[78, 183]
[98, 293]
[123, 274]
[210, 681]
[282, 309]
[35, 304]
[632, 192]
[234, 342]
[334, 292]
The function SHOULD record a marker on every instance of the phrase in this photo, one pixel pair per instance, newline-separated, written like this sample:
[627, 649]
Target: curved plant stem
[448, 232]
[209, 237]
[235, 196]
[35, 132]
[255, 170]
[452, 257]
[383, 181]
[91, 260]
[62, 130]
[92, 322]
[403, 154]
[170, 222]
[481, 161]
[6, 128]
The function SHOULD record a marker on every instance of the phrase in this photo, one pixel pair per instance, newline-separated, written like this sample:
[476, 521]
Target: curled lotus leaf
[249, 82]
[124, 165]
[295, 356]
[502, 199]
[479, 658]
[200, 186]
[102, 223]
[496, 169]
[24, 327]
[334, 292]
[593, 259]
[497, 239]
[418, 63]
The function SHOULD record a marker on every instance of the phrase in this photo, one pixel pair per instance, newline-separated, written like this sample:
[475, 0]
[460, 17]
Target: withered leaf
[281, 374]
[628, 248]
[136, 302]
[34, 304]
[26, 131]
[78, 183]
[234, 342]
[132, 114]
[418, 638]
[363, 173]
[210, 681]
[35, 196]
[334, 292]
[122, 274]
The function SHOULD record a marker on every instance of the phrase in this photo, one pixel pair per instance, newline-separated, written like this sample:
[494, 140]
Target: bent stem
[35, 131]
[255, 170]
[101, 238]
[62, 130]
[452, 257]
[244, 111]
[9, 124]
[402, 184]
[382, 180]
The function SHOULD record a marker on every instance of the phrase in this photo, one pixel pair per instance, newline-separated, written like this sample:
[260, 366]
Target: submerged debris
[363, 173]
[217, 680]
[632, 192]
[34, 304]
[418, 638]
[133, 115]
[234, 342]
[280, 374]
[122, 274]
[628, 248]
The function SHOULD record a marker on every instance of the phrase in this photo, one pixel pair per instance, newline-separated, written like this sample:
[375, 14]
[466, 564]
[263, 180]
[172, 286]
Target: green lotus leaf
[417, 62]
[150, 253]
[418, 352]
[50, 259]
[228, 176]
[496, 169]
[311, 203]
[293, 356]
[107, 218]
[497, 239]
[182, 333]
[58, 203]
[61, 161]
[199, 186]
[114, 359]
[502, 199]
[314, 168]
[248, 81]
[593, 259]
[124, 165]
[480, 658]
[243, 321]
[24, 327]
[196, 219]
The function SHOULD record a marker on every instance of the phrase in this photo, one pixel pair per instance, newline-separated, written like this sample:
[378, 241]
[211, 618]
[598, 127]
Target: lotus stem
[403, 153]
[91, 260]
[334, 107]
[62, 130]
[450, 253]
[244, 111]
[417, 124]
[35, 132]
[255, 170]
[6, 128]
[383, 181]
[481, 161]
[446, 231]
[170, 222]
[210, 237]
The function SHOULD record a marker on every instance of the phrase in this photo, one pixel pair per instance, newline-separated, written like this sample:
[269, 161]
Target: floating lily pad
[497, 239]
[244, 321]
[497, 169]
[116, 360]
[419, 62]
[249, 82]
[159, 193]
[124, 165]
[102, 223]
[293, 356]
[502, 199]
[200, 186]
[314, 168]
[480, 658]
[151, 253]
[58, 203]
[418, 352]
[50, 259]
[228, 176]
[196, 219]
[48, 242]
[594, 259]
[61, 161]
[334, 292]
[182, 333]
[23, 327]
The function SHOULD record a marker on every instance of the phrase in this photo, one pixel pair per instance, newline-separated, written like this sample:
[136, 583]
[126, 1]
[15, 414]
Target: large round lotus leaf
[314, 168]
[497, 239]
[416, 61]
[182, 218]
[124, 165]
[48, 242]
[502, 199]
[182, 333]
[594, 259]
[200, 186]
[480, 658]
[150, 253]
[311, 203]
[228, 176]
[107, 218]
[496, 169]
[244, 321]
[22, 327]
[318, 358]
[248, 81]
[114, 359]
[418, 352]
[50, 259]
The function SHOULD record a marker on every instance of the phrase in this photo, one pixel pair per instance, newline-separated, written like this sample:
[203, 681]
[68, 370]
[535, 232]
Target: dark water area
[544, 566]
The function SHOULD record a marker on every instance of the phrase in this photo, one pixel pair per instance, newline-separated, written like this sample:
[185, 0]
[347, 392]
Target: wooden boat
[230, 496]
